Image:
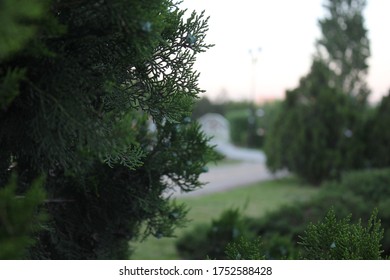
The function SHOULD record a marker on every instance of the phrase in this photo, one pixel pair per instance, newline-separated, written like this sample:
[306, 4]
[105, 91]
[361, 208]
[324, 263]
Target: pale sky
[286, 32]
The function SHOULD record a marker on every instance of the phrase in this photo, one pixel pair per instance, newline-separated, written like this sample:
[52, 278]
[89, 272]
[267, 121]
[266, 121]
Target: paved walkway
[222, 178]
[251, 168]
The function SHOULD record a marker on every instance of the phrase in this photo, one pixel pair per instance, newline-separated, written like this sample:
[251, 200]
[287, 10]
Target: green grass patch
[254, 200]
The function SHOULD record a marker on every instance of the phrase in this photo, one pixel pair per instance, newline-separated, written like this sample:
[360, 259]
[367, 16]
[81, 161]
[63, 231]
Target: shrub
[244, 249]
[358, 193]
[329, 239]
[239, 126]
[333, 239]
[249, 125]
[211, 240]
[373, 185]
[279, 247]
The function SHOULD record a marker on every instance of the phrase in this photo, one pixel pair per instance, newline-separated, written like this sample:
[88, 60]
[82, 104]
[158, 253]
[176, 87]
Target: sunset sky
[286, 32]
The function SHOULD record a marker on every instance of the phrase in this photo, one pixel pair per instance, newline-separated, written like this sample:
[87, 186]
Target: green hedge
[210, 241]
[329, 239]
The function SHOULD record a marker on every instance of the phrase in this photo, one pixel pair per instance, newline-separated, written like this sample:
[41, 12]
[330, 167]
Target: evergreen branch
[52, 98]
[53, 200]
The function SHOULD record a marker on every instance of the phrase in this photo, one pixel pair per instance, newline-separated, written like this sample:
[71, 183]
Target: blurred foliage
[243, 124]
[204, 106]
[20, 217]
[249, 123]
[318, 132]
[239, 125]
[378, 135]
[19, 22]
[211, 240]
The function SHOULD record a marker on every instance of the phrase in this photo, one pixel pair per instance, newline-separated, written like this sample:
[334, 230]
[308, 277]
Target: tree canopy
[345, 46]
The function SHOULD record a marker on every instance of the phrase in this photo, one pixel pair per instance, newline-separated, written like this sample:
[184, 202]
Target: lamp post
[252, 99]
[254, 53]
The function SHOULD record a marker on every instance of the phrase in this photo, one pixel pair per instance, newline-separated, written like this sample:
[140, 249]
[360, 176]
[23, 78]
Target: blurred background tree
[312, 135]
[345, 46]
[319, 132]
[378, 134]
[95, 96]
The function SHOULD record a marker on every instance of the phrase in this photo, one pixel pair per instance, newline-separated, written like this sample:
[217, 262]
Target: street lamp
[254, 54]
[252, 118]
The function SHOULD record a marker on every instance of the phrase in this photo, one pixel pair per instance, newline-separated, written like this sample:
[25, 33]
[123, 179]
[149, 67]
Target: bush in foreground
[333, 239]
[329, 239]
[358, 193]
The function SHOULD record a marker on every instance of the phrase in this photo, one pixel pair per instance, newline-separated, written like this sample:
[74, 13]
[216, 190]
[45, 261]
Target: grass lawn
[254, 200]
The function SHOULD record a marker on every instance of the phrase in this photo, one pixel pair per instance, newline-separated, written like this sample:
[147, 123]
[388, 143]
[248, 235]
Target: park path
[226, 177]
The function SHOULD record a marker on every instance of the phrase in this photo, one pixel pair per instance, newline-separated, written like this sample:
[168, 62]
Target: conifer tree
[95, 96]
[311, 135]
[378, 134]
[345, 46]
[318, 134]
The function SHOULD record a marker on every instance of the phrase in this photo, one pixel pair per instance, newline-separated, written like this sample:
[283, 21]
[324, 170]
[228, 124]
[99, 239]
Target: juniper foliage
[333, 239]
[328, 239]
[244, 249]
[95, 95]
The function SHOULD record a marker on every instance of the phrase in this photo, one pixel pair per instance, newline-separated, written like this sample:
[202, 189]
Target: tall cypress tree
[96, 98]
[318, 134]
[345, 46]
